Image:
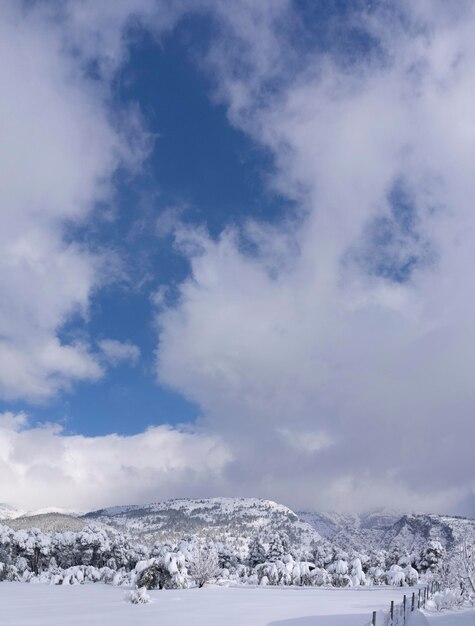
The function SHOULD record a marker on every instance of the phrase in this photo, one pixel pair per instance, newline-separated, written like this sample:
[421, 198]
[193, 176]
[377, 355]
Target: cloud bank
[41, 464]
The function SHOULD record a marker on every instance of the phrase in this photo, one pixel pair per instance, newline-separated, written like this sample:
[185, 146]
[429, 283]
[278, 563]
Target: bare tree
[460, 569]
[204, 564]
[467, 562]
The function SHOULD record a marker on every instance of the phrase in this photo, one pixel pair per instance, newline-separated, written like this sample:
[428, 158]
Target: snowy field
[456, 618]
[96, 604]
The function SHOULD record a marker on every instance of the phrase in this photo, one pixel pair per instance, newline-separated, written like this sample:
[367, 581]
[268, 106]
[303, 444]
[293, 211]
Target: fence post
[373, 621]
[392, 611]
[419, 600]
[404, 602]
[413, 601]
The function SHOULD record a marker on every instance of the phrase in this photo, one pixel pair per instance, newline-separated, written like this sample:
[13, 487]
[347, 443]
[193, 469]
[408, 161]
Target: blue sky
[233, 252]
[199, 163]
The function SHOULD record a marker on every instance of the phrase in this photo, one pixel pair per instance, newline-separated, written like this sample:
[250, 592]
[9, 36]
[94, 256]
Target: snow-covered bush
[376, 576]
[165, 572]
[356, 573]
[411, 575]
[447, 599]
[138, 596]
[339, 572]
[395, 576]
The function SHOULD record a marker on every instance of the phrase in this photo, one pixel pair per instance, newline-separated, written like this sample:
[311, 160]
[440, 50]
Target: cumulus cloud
[62, 143]
[359, 327]
[116, 352]
[42, 464]
[331, 355]
[58, 152]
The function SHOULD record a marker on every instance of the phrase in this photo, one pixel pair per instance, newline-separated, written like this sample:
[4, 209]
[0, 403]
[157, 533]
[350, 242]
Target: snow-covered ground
[97, 604]
[451, 618]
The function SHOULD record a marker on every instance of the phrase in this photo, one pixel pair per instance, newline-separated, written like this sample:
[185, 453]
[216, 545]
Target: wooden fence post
[392, 611]
[413, 601]
[373, 621]
[419, 600]
[404, 602]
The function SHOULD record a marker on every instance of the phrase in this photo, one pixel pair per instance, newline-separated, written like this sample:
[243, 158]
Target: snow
[10, 512]
[417, 619]
[221, 518]
[102, 605]
[451, 618]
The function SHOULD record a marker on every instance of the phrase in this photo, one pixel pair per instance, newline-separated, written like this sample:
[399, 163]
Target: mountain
[233, 520]
[386, 529]
[47, 522]
[50, 519]
[9, 512]
[236, 520]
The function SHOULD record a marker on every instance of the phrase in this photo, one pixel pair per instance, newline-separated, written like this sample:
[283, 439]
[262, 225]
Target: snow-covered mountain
[225, 519]
[50, 519]
[47, 522]
[236, 520]
[10, 512]
[385, 529]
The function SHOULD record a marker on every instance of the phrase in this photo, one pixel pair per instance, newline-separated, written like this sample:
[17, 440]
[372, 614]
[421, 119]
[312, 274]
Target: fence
[398, 614]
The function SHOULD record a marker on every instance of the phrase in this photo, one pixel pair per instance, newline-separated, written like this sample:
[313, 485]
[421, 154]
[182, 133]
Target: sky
[236, 253]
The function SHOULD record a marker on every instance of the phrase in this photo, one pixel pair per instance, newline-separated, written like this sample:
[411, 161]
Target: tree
[165, 572]
[276, 549]
[257, 552]
[463, 566]
[204, 564]
[431, 557]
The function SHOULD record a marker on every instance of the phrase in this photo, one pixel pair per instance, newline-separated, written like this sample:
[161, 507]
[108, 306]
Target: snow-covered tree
[257, 552]
[431, 557]
[276, 549]
[395, 576]
[356, 573]
[165, 572]
[204, 564]
[339, 572]
[462, 568]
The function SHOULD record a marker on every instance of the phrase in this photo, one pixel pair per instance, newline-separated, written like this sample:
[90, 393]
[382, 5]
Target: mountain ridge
[239, 519]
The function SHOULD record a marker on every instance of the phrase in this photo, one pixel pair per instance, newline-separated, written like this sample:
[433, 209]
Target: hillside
[47, 522]
[8, 512]
[225, 519]
[236, 520]
[388, 529]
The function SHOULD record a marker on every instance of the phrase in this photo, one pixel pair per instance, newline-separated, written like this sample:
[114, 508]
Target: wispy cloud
[116, 352]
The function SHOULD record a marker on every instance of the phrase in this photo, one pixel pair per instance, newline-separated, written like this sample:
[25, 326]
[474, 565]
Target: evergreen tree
[276, 549]
[257, 552]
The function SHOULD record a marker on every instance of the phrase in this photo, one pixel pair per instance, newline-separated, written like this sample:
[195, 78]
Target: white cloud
[317, 335]
[116, 352]
[57, 155]
[42, 464]
[322, 381]
[61, 145]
